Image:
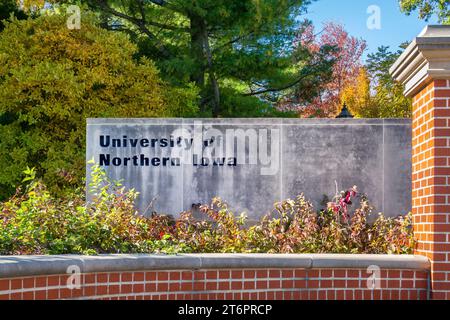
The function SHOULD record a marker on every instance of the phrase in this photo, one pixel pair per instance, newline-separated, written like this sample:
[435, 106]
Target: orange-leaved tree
[347, 56]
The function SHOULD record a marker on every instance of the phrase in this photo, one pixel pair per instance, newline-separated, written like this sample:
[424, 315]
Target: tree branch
[158, 2]
[140, 23]
[232, 41]
[290, 85]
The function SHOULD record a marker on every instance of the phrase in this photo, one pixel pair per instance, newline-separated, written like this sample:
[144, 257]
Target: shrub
[294, 227]
[34, 222]
[53, 78]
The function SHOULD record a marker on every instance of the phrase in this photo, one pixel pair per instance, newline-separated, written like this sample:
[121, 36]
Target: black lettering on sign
[104, 141]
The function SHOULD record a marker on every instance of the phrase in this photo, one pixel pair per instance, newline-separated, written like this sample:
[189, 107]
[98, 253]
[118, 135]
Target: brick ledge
[19, 266]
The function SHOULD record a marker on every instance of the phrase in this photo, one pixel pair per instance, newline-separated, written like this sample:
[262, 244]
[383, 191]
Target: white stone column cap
[427, 58]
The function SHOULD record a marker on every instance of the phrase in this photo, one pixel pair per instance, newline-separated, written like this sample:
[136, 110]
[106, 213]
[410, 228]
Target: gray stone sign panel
[253, 163]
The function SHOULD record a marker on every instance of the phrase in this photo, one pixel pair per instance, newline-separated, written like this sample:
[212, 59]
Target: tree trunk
[200, 51]
[197, 53]
[212, 76]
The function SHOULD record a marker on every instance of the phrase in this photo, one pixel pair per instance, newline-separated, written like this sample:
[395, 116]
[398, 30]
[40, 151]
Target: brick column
[424, 69]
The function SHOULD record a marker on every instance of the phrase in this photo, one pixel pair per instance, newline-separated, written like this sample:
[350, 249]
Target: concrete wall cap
[342, 261]
[22, 266]
[272, 121]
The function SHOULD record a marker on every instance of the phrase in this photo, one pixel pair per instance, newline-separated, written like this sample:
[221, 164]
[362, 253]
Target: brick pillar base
[431, 180]
[424, 69]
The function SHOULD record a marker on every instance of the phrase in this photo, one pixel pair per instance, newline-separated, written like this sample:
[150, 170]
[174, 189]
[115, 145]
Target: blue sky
[396, 27]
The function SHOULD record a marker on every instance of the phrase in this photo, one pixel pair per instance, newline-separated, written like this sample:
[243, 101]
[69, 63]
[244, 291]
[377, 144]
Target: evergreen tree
[8, 8]
[239, 53]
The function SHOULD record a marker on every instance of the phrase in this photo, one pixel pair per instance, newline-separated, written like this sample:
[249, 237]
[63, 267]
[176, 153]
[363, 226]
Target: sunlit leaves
[53, 78]
[35, 222]
[428, 9]
[375, 94]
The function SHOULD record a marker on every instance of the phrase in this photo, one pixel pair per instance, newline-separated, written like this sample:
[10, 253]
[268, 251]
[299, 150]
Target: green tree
[8, 8]
[428, 8]
[53, 78]
[239, 53]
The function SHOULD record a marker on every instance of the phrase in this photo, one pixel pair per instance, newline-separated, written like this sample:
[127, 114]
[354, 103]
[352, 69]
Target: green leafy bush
[34, 222]
[53, 78]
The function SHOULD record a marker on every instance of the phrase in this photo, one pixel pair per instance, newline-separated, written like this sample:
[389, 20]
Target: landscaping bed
[34, 221]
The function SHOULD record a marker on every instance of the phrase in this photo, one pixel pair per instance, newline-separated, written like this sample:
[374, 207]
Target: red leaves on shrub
[35, 222]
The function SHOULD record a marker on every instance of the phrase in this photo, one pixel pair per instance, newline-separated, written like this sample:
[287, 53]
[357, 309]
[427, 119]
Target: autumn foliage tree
[375, 94]
[357, 96]
[53, 78]
[347, 55]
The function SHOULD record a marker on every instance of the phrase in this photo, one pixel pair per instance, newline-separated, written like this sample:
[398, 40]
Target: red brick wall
[431, 181]
[278, 284]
